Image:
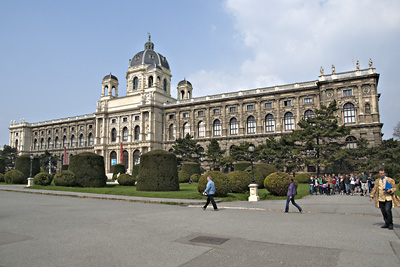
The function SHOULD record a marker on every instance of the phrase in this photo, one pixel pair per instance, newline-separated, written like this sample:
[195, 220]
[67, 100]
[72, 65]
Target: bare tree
[396, 131]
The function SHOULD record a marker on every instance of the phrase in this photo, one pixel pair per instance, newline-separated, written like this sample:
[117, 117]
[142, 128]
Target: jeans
[386, 209]
[347, 186]
[311, 189]
[294, 203]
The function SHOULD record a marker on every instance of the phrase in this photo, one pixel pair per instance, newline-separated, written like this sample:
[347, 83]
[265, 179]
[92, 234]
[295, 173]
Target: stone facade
[148, 118]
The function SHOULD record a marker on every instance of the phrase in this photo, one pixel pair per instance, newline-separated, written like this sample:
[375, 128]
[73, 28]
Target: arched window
[136, 157]
[64, 141]
[165, 85]
[135, 83]
[35, 144]
[137, 133]
[150, 81]
[125, 134]
[81, 140]
[367, 108]
[57, 142]
[269, 123]
[73, 141]
[251, 124]
[90, 138]
[113, 135]
[113, 160]
[217, 127]
[171, 132]
[42, 143]
[309, 114]
[106, 90]
[186, 129]
[49, 143]
[289, 121]
[351, 142]
[202, 129]
[233, 126]
[182, 94]
[349, 113]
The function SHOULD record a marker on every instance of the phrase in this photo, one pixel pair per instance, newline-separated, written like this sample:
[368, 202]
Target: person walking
[364, 184]
[209, 192]
[311, 184]
[385, 198]
[290, 195]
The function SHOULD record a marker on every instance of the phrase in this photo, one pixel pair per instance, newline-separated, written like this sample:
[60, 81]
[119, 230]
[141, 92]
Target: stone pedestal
[253, 192]
[30, 181]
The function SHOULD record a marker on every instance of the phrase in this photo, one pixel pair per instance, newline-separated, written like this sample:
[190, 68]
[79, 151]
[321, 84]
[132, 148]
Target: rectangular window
[125, 119]
[347, 92]
[114, 121]
[171, 116]
[216, 111]
[200, 113]
[268, 105]
[250, 107]
[308, 100]
[186, 115]
[137, 118]
[232, 109]
[287, 103]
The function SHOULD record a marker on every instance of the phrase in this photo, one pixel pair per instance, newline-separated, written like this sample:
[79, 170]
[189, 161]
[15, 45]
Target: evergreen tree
[187, 149]
[44, 161]
[9, 154]
[241, 152]
[321, 136]
[214, 153]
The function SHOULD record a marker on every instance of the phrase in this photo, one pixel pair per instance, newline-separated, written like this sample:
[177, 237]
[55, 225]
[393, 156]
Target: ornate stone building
[149, 118]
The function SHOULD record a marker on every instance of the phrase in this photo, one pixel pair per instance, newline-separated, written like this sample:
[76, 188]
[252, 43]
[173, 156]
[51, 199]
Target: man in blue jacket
[209, 192]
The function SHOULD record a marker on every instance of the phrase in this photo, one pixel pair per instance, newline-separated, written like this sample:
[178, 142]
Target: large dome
[149, 57]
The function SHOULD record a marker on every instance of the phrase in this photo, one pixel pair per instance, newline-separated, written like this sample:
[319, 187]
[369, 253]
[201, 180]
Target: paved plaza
[87, 230]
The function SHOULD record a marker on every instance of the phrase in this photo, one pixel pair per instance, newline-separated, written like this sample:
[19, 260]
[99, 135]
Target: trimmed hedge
[135, 170]
[119, 168]
[302, 178]
[43, 178]
[277, 183]
[195, 177]
[239, 181]
[158, 171]
[222, 185]
[241, 165]
[65, 178]
[15, 177]
[258, 176]
[23, 164]
[2, 177]
[183, 176]
[2, 165]
[126, 180]
[64, 167]
[191, 168]
[89, 169]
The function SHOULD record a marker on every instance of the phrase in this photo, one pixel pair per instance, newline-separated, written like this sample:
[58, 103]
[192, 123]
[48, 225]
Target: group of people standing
[343, 184]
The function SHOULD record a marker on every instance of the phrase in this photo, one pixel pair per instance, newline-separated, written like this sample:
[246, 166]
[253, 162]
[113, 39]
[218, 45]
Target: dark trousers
[386, 209]
[294, 203]
[211, 198]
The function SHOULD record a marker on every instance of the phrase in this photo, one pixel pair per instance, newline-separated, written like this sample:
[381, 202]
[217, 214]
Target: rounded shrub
[158, 171]
[258, 176]
[239, 181]
[126, 180]
[64, 167]
[195, 177]
[241, 165]
[2, 165]
[65, 178]
[42, 178]
[183, 176]
[119, 168]
[222, 185]
[277, 183]
[23, 164]
[15, 177]
[88, 169]
[302, 178]
[265, 168]
[191, 168]
[2, 177]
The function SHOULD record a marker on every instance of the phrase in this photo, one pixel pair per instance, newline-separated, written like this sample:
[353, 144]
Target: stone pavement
[45, 230]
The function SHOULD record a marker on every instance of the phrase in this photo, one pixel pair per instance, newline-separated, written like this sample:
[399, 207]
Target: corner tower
[148, 71]
[109, 87]
[185, 90]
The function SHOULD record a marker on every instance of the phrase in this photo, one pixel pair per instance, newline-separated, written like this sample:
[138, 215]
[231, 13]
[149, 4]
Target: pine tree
[187, 149]
[214, 153]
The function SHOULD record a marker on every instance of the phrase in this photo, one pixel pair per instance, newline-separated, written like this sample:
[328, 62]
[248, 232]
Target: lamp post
[50, 165]
[253, 186]
[30, 178]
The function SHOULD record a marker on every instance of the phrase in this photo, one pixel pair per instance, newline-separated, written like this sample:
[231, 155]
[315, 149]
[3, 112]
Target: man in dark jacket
[290, 195]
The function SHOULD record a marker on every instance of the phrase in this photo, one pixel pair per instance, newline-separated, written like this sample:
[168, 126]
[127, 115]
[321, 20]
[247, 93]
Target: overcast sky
[54, 54]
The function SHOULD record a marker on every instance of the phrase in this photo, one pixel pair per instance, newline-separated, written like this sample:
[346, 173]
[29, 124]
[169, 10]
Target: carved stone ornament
[329, 93]
[366, 89]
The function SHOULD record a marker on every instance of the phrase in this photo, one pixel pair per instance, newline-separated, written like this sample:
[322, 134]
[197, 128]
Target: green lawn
[187, 191]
